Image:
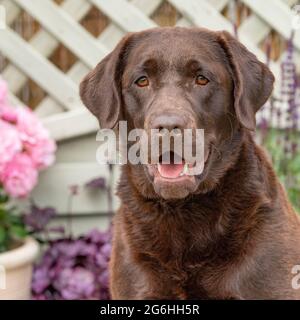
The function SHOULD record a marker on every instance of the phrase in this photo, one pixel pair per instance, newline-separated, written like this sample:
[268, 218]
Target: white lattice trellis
[61, 110]
[59, 21]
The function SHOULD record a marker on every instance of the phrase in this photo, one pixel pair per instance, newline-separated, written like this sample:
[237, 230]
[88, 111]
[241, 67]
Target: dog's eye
[142, 82]
[201, 80]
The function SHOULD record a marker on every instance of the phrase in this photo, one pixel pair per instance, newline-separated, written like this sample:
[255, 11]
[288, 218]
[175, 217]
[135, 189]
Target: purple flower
[290, 85]
[103, 278]
[97, 237]
[106, 250]
[38, 218]
[98, 183]
[101, 261]
[74, 268]
[40, 280]
[75, 284]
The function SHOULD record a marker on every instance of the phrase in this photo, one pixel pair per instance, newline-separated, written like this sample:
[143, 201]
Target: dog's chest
[181, 252]
[191, 271]
[186, 271]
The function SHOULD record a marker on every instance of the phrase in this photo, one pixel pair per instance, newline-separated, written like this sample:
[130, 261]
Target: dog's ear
[253, 80]
[101, 90]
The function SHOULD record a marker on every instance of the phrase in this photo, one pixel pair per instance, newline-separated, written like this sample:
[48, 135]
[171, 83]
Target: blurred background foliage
[283, 144]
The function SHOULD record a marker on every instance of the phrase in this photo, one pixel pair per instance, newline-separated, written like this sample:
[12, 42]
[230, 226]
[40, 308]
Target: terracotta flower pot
[16, 271]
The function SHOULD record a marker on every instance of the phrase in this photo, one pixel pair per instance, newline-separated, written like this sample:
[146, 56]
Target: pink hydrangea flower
[10, 144]
[35, 138]
[19, 176]
[8, 113]
[25, 147]
[30, 126]
[42, 153]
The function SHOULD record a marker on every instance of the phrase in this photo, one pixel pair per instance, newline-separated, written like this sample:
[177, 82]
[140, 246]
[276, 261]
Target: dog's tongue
[170, 171]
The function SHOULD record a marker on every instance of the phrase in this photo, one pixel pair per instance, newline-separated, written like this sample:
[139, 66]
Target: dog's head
[177, 79]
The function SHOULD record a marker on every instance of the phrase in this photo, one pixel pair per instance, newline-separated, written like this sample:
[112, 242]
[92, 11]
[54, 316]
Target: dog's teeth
[185, 169]
[159, 168]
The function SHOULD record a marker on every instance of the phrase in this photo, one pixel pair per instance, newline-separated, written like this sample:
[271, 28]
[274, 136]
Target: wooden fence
[48, 46]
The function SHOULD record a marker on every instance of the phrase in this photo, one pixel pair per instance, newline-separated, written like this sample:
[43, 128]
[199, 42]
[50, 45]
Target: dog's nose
[169, 122]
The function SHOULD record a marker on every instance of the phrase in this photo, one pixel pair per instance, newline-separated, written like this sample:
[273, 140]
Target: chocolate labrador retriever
[227, 233]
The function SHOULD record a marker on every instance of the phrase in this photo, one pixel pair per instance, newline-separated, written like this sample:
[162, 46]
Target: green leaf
[2, 234]
[18, 231]
[3, 197]
[287, 166]
[14, 219]
[295, 164]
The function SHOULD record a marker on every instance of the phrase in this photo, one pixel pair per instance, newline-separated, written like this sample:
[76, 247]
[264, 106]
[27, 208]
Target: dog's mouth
[175, 177]
[172, 171]
[172, 167]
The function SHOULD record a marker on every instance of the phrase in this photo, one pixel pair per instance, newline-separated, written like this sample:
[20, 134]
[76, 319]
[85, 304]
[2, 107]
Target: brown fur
[235, 236]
